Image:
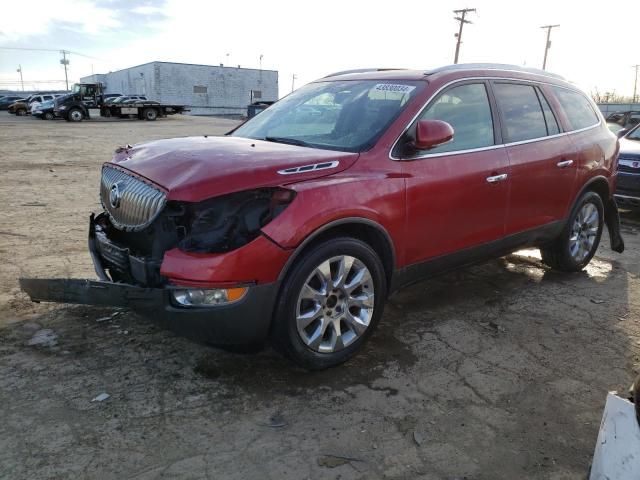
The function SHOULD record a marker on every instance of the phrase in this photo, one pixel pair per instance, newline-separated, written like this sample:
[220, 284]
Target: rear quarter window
[577, 108]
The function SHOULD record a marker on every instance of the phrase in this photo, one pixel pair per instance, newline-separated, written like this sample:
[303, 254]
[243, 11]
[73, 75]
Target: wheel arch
[598, 184]
[368, 231]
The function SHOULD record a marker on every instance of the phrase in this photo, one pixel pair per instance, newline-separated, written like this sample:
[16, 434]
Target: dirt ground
[499, 371]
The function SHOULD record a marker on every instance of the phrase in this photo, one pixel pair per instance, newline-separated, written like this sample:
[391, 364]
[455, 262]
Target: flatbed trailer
[87, 100]
[141, 110]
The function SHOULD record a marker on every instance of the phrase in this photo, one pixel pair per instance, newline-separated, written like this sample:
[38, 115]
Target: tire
[334, 305]
[579, 240]
[150, 114]
[48, 116]
[21, 112]
[75, 115]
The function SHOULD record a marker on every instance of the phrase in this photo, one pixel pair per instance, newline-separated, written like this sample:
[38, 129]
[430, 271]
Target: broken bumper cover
[242, 322]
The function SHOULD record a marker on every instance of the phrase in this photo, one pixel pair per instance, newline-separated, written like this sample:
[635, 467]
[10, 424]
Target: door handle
[497, 178]
[564, 163]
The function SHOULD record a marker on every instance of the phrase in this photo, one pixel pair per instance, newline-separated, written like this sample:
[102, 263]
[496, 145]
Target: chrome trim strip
[629, 197]
[628, 173]
[492, 147]
[314, 167]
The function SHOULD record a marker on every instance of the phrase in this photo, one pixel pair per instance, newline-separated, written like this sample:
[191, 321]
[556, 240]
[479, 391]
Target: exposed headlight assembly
[225, 223]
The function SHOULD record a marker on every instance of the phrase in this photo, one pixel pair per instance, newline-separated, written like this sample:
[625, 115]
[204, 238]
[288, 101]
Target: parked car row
[42, 105]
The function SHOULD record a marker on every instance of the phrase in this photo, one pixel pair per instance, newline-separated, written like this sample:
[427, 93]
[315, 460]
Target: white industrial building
[205, 89]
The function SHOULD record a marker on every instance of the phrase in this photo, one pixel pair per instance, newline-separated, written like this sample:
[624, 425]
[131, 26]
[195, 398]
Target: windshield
[75, 88]
[633, 134]
[347, 116]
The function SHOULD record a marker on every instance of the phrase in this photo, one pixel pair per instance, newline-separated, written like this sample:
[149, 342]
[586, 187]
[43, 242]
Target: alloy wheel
[584, 232]
[335, 304]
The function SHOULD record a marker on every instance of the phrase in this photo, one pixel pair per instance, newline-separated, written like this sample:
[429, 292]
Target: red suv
[297, 225]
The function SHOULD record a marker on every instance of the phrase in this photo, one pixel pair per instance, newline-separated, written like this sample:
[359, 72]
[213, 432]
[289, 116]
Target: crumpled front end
[203, 269]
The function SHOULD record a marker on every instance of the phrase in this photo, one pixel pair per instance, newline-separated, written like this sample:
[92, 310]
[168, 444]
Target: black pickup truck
[87, 100]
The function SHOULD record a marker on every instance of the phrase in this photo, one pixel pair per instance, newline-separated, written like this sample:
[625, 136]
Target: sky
[310, 39]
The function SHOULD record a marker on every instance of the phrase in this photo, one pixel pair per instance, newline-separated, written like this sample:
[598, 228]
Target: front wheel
[330, 303]
[579, 240]
[75, 115]
[48, 116]
[21, 112]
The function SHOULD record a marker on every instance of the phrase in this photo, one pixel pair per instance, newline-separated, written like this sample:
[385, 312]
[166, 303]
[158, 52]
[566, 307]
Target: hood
[629, 146]
[193, 169]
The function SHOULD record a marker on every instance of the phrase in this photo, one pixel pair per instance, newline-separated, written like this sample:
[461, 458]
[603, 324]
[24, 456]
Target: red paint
[430, 133]
[429, 207]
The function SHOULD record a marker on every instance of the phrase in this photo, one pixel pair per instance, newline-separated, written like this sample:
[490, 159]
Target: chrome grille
[138, 203]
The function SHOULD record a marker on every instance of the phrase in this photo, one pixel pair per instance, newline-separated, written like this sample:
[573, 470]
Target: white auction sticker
[393, 87]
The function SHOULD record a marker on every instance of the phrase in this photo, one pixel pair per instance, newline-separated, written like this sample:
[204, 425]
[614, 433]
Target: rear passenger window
[549, 117]
[577, 108]
[466, 108]
[521, 111]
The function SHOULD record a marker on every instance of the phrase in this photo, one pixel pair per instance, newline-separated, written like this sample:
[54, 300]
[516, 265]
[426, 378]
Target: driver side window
[466, 108]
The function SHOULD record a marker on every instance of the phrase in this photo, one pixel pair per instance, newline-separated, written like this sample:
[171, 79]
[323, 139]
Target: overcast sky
[593, 47]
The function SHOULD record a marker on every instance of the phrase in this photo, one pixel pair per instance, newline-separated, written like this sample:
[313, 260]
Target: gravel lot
[499, 371]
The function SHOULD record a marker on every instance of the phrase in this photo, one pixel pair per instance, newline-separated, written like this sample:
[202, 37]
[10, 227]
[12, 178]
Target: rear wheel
[75, 115]
[21, 112]
[48, 116]
[150, 114]
[329, 303]
[579, 240]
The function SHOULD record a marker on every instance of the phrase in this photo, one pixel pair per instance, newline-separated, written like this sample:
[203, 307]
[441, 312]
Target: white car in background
[35, 104]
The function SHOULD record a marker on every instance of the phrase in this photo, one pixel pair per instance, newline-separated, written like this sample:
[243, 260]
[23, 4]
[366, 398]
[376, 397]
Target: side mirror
[431, 133]
[622, 133]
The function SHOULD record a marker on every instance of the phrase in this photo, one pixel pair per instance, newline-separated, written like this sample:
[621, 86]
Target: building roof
[189, 64]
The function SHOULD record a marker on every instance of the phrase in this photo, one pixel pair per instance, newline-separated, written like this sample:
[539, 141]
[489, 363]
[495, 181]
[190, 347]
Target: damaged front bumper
[244, 321]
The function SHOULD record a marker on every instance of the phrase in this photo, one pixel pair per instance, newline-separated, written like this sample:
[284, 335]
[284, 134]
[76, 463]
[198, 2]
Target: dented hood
[196, 168]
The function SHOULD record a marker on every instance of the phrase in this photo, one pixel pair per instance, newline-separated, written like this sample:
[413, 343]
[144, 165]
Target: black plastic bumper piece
[612, 219]
[242, 322]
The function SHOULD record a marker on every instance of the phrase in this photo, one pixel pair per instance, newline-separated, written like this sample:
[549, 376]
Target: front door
[457, 193]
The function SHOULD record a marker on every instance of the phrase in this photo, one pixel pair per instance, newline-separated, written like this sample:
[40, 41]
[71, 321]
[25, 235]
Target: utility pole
[22, 81]
[261, 61]
[461, 18]
[635, 85]
[548, 44]
[65, 63]
[293, 81]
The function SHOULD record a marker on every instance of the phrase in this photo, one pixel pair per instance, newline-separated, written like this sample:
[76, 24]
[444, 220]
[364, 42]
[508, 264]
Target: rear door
[457, 192]
[542, 161]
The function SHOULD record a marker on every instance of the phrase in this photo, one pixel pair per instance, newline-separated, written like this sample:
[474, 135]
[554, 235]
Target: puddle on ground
[269, 373]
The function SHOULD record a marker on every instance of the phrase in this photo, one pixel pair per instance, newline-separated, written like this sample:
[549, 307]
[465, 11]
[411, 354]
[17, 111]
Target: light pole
[293, 81]
[635, 85]
[462, 20]
[65, 63]
[19, 70]
[261, 61]
[548, 44]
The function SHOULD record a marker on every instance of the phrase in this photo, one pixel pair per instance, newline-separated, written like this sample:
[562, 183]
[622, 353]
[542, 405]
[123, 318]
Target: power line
[461, 18]
[548, 44]
[68, 52]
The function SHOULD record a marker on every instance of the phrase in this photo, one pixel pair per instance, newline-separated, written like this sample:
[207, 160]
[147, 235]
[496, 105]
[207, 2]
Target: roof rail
[493, 66]
[361, 70]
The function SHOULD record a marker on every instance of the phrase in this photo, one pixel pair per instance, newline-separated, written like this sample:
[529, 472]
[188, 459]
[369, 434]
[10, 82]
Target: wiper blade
[287, 140]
